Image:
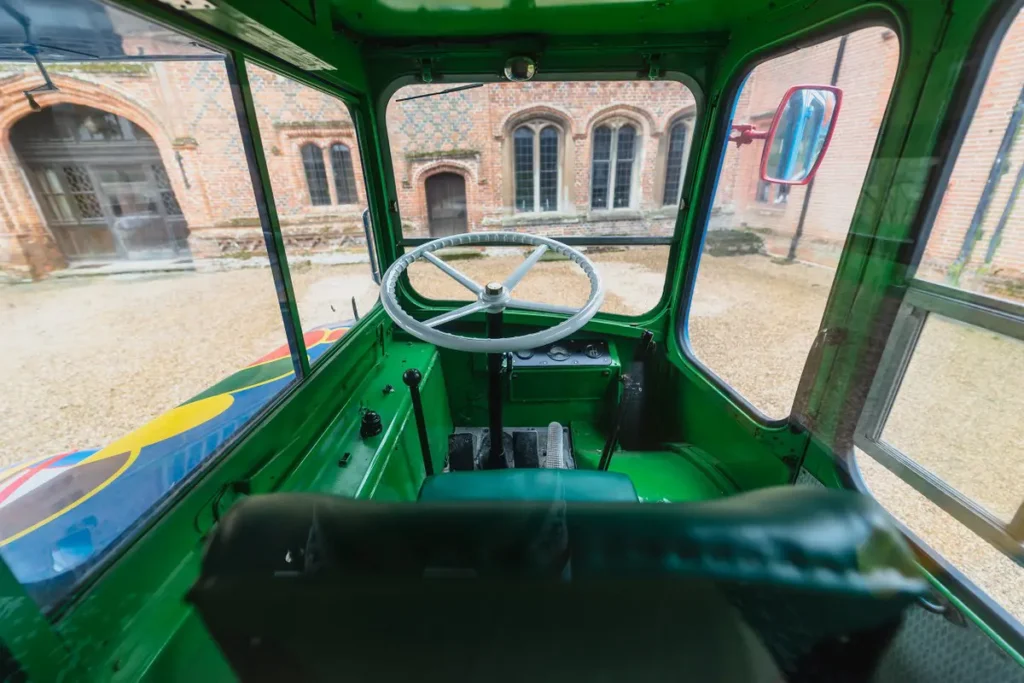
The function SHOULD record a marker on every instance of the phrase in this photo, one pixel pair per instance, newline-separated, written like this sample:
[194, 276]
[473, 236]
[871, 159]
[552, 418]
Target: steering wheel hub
[493, 297]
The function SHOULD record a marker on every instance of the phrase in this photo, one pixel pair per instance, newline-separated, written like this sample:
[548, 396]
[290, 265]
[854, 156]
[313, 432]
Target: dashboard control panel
[565, 353]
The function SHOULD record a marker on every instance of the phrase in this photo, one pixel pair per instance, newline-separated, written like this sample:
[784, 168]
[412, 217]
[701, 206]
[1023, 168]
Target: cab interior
[366, 514]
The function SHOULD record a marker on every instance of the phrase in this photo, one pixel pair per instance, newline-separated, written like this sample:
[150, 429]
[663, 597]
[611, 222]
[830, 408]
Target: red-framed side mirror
[800, 134]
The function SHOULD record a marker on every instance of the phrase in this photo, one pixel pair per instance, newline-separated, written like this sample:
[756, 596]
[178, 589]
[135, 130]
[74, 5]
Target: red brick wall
[972, 168]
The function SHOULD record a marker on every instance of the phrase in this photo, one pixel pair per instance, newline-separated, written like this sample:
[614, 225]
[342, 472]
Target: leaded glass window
[536, 159]
[316, 174]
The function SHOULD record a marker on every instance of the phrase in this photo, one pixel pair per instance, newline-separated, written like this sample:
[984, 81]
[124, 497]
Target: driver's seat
[780, 584]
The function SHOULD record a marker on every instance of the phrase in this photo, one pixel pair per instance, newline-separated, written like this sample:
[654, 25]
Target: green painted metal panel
[390, 462]
[190, 655]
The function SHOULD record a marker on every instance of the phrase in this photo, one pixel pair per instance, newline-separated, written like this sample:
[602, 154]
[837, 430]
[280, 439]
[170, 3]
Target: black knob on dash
[371, 425]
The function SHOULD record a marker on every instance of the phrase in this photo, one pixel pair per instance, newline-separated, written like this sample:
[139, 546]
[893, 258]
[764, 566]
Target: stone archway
[101, 184]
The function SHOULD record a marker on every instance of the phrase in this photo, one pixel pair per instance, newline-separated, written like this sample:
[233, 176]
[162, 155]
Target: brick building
[585, 158]
[588, 158]
[61, 202]
[865, 71]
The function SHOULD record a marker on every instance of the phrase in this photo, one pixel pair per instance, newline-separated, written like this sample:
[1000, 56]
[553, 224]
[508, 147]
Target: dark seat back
[805, 584]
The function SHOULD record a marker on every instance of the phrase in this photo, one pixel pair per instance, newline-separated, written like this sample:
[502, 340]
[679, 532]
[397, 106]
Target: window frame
[719, 138]
[922, 298]
[234, 63]
[400, 241]
[615, 124]
[537, 126]
[982, 312]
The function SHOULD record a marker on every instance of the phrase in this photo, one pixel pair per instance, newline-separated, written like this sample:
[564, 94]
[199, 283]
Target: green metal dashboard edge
[343, 463]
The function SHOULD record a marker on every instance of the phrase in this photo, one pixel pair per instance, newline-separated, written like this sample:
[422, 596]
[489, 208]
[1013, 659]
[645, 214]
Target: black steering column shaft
[495, 459]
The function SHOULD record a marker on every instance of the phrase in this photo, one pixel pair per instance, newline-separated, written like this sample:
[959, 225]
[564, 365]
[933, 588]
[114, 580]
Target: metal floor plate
[482, 440]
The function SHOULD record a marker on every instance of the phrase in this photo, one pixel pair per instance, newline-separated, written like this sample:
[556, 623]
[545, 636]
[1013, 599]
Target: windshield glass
[590, 161]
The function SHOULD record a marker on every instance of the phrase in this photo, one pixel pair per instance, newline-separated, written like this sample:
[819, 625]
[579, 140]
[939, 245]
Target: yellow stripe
[115, 475]
[166, 427]
[170, 424]
[258, 384]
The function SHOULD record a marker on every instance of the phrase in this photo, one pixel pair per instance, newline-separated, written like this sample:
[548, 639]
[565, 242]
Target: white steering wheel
[493, 297]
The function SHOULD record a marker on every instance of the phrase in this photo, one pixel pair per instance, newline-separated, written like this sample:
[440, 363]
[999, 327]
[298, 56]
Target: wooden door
[446, 204]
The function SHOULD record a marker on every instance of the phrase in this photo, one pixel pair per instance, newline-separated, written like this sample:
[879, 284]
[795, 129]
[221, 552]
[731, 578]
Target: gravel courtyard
[86, 360]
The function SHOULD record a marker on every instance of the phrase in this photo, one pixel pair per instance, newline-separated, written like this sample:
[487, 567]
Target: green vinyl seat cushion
[787, 584]
[530, 485]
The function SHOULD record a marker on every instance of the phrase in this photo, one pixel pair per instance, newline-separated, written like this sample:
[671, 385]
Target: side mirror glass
[800, 134]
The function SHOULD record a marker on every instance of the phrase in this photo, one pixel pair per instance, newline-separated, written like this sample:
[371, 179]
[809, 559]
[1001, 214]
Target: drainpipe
[999, 167]
[1011, 202]
[810, 186]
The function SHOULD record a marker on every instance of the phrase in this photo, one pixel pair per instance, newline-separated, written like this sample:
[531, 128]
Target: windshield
[599, 163]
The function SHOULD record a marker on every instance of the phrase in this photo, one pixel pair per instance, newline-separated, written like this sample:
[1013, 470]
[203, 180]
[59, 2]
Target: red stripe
[26, 475]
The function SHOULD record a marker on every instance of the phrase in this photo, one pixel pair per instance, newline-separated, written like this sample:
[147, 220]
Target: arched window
[611, 178]
[344, 177]
[536, 169]
[675, 163]
[316, 174]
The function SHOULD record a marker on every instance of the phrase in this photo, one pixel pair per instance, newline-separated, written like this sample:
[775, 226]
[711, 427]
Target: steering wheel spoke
[525, 267]
[455, 273]
[455, 314]
[541, 307]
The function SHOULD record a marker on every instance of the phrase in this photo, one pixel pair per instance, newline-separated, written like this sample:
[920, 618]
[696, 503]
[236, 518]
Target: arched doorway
[101, 184]
[446, 204]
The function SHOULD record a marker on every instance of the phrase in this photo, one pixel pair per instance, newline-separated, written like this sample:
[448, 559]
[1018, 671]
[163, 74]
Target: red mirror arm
[745, 133]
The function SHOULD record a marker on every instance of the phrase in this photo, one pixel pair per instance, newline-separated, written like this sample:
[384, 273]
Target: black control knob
[412, 377]
[371, 425]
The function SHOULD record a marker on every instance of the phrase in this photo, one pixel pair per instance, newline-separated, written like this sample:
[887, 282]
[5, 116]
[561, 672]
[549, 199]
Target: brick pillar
[27, 249]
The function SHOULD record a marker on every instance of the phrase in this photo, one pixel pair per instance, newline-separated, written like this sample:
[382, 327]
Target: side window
[322, 222]
[770, 251]
[133, 347]
[941, 436]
